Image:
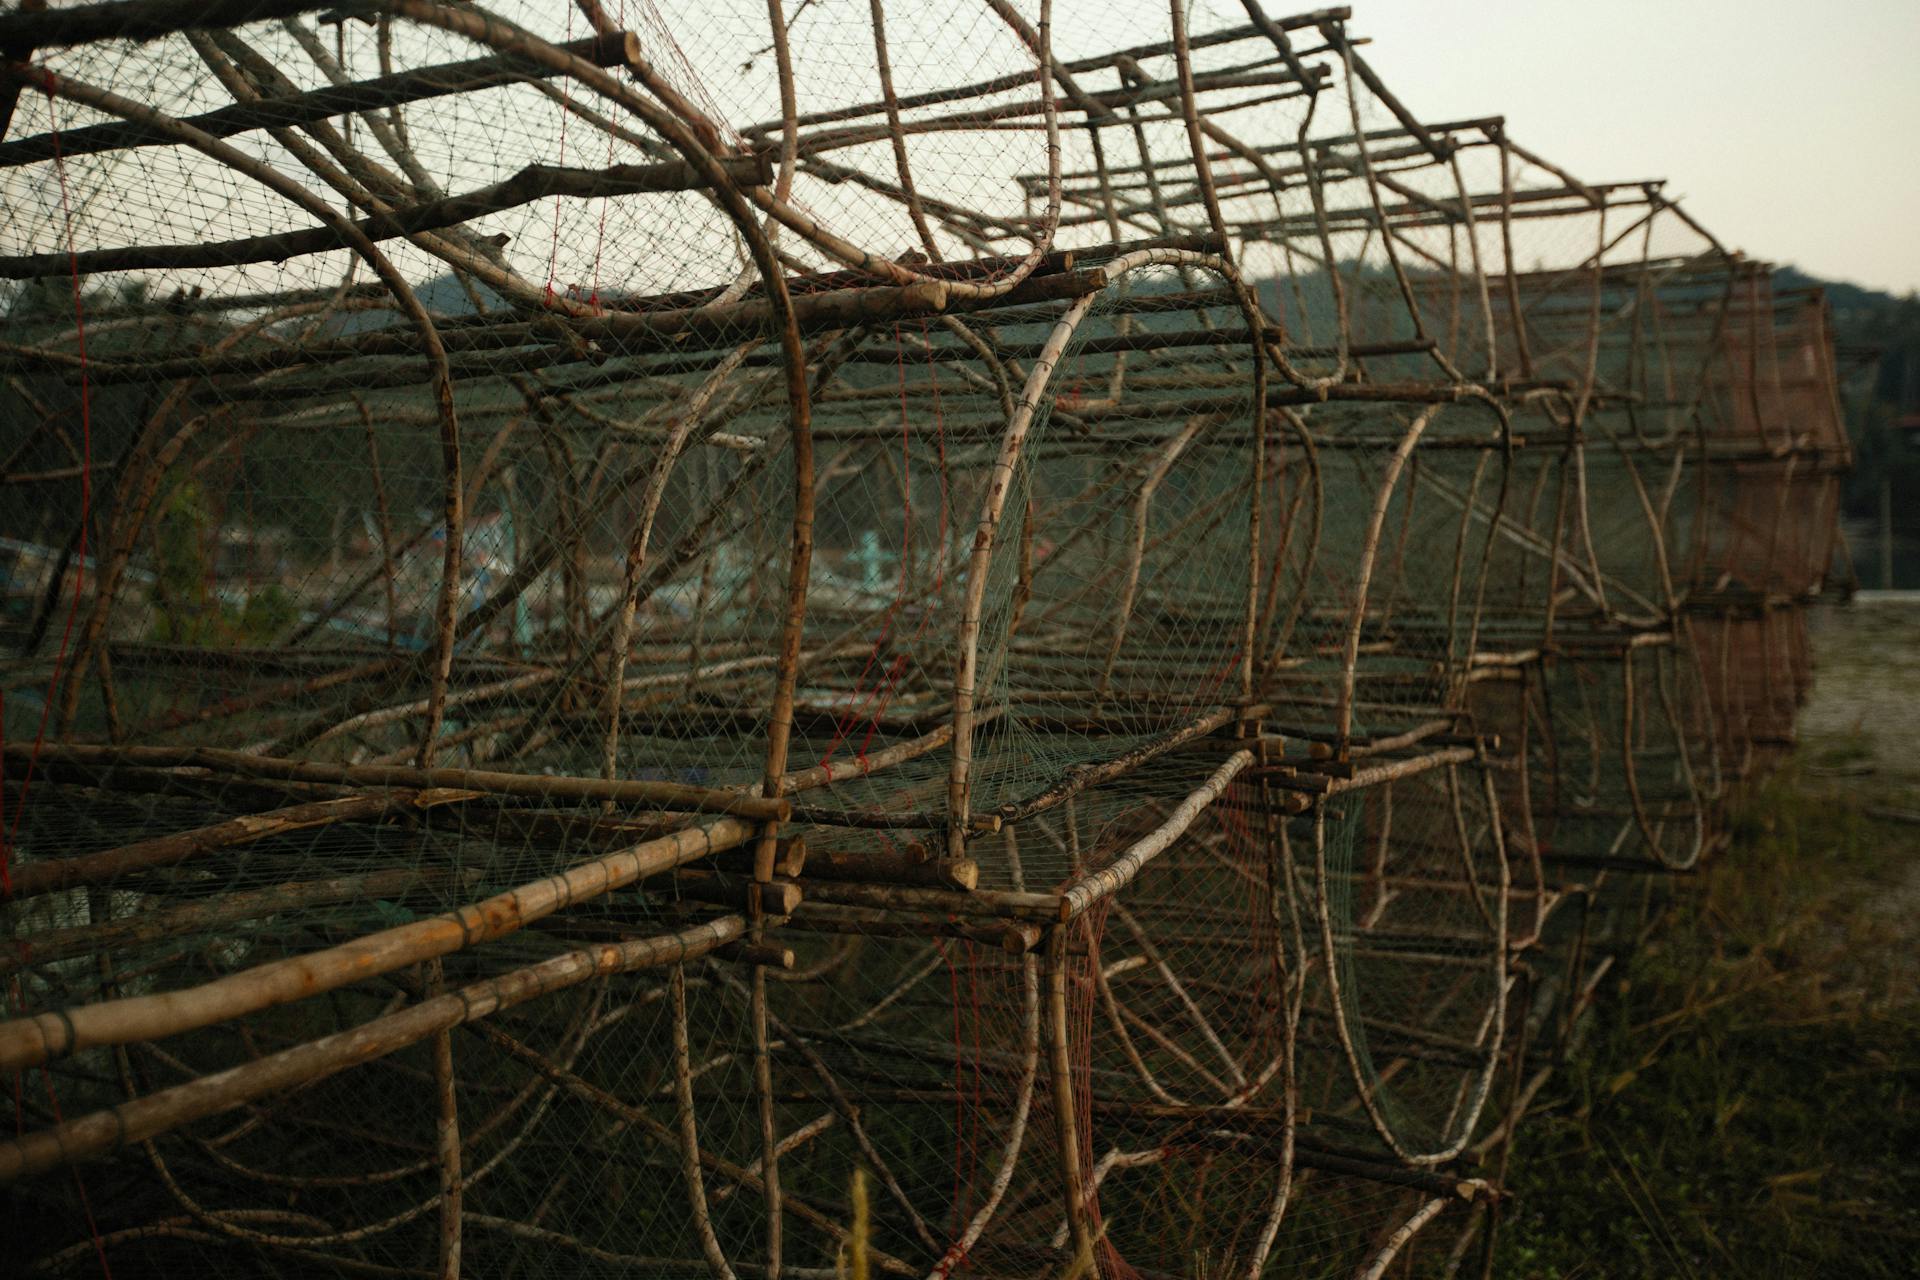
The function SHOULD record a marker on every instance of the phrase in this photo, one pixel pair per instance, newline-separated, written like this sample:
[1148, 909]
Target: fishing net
[753, 640]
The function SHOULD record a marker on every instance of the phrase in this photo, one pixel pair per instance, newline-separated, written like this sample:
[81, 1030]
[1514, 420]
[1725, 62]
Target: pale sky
[1792, 130]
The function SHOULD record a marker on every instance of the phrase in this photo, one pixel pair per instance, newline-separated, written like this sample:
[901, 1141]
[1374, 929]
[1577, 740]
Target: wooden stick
[142, 19]
[292, 110]
[913, 863]
[1081, 777]
[447, 1136]
[665, 795]
[1379, 774]
[759, 953]
[36, 878]
[994, 903]
[688, 1130]
[777, 897]
[1065, 1106]
[149, 925]
[18, 50]
[822, 775]
[1119, 873]
[1377, 1266]
[790, 859]
[534, 182]
[146, 1117]
[26, 1042]
[1015, 938]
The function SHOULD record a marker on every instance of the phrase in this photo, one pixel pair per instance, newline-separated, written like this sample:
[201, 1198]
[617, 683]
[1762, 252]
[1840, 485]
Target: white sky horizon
[1791, 131]
[1793, 138]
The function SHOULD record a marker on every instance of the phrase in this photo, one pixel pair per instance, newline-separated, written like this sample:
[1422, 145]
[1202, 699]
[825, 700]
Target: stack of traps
[840, 638]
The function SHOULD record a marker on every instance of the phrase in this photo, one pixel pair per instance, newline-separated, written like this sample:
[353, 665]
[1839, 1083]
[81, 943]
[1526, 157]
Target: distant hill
[1877, 335]
[1848, 300]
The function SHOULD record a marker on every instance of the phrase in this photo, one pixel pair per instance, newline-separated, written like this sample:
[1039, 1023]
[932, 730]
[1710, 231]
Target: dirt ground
[1860, 741]
[1866, 690]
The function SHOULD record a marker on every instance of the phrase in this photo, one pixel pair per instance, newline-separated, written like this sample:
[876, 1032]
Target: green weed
[1747, 1102]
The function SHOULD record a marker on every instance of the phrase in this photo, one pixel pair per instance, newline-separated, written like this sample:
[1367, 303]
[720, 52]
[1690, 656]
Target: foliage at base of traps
[1747, 1100]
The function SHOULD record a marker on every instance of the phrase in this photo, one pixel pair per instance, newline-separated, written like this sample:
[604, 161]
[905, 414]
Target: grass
[1747, 1099]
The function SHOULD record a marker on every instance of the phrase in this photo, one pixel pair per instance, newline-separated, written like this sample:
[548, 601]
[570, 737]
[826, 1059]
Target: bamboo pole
[447, 1136]
[662, 795]
[533, 183]
[109, 865]
[136, 19]
[385, 92]
[101, 1132]
[1073, 1184]
[31, 1041]
[1083, 893]
[161, 923]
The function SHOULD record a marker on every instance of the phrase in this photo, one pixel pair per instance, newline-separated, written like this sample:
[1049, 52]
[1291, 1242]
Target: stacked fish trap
[753, 645]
